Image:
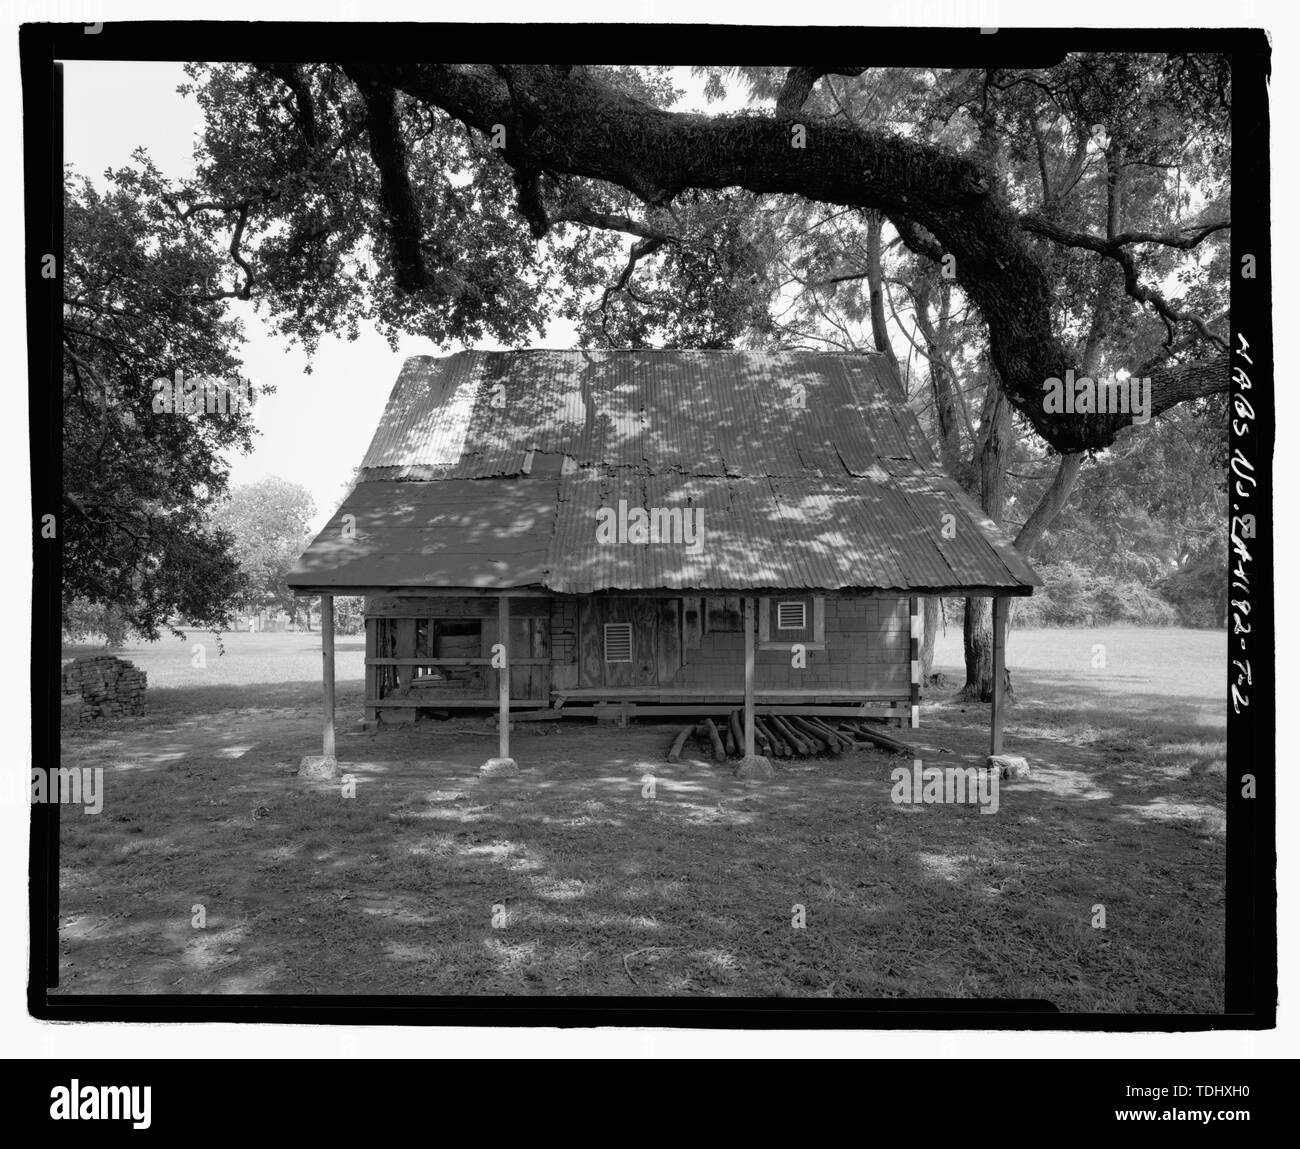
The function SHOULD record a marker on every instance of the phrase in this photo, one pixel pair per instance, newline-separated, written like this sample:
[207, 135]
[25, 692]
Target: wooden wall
[691, 643]
[401, 626]
[867, 649]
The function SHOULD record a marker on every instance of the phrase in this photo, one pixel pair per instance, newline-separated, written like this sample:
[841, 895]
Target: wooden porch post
[749, 676]
[915, 699]
[327, 668]
[999, 671]
[503, 679]
[372, 672]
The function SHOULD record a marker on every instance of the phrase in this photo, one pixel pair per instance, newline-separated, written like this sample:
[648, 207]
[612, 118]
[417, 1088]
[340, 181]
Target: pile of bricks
[102, 686]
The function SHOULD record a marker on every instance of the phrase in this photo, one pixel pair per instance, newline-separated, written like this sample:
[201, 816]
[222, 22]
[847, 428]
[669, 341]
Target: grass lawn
[565, 879]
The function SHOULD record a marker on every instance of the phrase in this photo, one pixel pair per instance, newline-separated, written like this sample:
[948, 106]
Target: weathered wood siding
[867, 650]
[405, 626]
[690, 644]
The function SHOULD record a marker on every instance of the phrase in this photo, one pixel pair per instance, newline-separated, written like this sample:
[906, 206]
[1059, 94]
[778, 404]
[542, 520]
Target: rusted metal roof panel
[697, 412]
[491, 533]
[748, 533]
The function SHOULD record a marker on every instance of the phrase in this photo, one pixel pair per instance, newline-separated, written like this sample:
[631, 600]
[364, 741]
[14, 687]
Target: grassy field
[570, 879]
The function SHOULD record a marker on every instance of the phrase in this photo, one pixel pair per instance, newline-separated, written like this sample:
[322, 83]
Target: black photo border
[1251, 901]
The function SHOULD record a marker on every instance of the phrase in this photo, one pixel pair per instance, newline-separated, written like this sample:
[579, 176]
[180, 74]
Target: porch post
[503, 678]
[912, 606]
[749, 676]
[327, 668]
[999, 671]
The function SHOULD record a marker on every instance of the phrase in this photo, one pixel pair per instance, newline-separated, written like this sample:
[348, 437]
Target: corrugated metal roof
[478, 413]
[456, 532]
[808, 469]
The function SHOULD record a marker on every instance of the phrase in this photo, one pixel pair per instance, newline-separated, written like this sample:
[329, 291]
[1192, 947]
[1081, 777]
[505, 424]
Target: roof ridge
[653, 351]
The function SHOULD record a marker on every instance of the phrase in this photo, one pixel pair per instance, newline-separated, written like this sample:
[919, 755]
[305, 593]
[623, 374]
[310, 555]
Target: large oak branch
[566, 120]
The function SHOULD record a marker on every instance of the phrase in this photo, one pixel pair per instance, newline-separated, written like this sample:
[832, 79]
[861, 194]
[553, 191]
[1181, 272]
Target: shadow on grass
[602, 869]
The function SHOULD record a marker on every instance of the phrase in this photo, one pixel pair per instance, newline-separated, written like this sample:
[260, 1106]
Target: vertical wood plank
[541, 676]
[670, 640]
[692, 623]
[645, 642]
[520, 644]
[999, 671]
[913, 605]
[327, 669]
[405, 649]
[503, 679]
[590, 646]
[372, 672]
[749, 676]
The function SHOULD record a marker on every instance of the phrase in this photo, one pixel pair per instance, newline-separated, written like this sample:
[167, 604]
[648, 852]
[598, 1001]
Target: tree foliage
[268, 521]
[138, 303]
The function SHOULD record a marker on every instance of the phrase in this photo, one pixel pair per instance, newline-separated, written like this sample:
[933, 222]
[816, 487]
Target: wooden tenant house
[674, 530]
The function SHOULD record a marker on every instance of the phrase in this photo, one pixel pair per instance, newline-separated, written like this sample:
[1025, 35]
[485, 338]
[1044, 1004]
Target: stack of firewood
[102, 686]
[783, 736]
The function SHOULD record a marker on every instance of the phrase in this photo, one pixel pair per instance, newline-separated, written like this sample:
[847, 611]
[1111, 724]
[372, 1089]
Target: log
[796, 743]
[774, 743]
[851, 733]
[887, 743]
[780, 733]
[737, 731]
[733, 750]
[675, 754]
[719, 751]
[836, 738]
[810, 733]
[839, 742]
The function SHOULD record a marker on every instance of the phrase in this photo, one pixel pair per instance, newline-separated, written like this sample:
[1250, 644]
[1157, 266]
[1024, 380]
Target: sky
[316, 427]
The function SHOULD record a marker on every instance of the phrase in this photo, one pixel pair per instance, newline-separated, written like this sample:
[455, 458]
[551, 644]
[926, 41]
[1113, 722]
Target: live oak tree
[140, 298]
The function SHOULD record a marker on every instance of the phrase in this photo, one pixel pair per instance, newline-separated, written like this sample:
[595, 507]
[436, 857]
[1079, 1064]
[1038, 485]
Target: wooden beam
[372, 671]
[424, 590]
[702, 709]
[327, 669]
[913, 611]
[999, 672]
[503, 682]
[457, 702]
[974, 590]
[730, 696]
[428, 661]
[749, 676]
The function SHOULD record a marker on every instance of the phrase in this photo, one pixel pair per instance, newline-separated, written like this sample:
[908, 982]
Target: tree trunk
[930, 623]
[977, 640]
[977, 628]
[876, 286]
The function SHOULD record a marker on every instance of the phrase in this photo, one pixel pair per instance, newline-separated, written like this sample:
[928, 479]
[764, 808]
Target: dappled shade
[489, 469]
